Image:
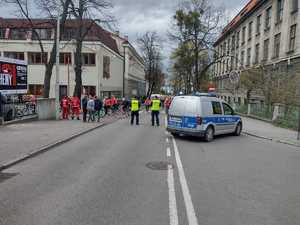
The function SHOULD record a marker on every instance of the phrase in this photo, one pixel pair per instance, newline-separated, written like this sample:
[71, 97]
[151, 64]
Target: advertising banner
[13, 76]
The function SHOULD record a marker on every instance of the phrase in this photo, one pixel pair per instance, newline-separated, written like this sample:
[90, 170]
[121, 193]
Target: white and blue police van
[202, 115]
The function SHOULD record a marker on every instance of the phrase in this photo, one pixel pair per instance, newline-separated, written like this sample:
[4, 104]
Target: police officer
[155, 108]
[135, 108]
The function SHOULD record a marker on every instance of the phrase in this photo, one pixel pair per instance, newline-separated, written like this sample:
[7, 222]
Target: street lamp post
[57, 102]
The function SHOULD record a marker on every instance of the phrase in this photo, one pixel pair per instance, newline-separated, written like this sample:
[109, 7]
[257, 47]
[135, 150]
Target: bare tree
[48, 7]
[150, 46]
[197, 24]
[87, 13]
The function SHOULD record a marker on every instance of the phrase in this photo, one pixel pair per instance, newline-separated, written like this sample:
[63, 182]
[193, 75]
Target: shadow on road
[201, 140]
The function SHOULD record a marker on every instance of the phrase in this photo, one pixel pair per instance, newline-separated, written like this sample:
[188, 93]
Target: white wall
[91, 76]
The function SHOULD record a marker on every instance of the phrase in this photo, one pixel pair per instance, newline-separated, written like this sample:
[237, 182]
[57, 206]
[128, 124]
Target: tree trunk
[48, 72]
[50, 64]
[78, 70]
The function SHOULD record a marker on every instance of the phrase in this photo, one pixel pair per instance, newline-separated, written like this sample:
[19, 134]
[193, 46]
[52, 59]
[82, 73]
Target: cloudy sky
[137, 16]
[134, 17]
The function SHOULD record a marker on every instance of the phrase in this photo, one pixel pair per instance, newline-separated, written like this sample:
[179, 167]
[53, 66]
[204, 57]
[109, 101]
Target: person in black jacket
[84, 107]
[98, 107]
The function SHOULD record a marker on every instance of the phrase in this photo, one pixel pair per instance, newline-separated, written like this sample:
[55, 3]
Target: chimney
[117, 32]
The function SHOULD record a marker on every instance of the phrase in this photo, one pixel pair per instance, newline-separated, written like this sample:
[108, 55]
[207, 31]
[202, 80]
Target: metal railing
[13, 108]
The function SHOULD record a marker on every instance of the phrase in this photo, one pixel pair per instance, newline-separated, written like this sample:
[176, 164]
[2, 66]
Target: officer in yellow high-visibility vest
[135, 108]
[155, 108]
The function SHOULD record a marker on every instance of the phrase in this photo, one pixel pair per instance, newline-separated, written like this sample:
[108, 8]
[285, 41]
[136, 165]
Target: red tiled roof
[248, 8]
[96, 33]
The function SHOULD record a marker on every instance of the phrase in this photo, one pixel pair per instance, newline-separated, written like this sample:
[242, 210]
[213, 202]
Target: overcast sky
[137, 16]
[134, 17]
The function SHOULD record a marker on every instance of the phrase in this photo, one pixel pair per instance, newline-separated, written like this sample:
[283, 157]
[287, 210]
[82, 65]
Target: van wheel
[238, 129]
[209, 134]
[174, 134]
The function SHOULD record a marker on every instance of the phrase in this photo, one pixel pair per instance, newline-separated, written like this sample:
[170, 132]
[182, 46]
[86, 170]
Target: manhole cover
[159, 165]
[6, 176]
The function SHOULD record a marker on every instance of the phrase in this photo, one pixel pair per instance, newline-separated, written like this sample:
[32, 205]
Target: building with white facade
[104, 65]
[265, 32]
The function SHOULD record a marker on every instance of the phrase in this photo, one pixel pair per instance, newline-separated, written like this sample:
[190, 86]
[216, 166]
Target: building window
[89, 90]
[292, 37]
[65, 58]
[266, 49]
[14, 55]
[68, 34]
[250, 31]
[277, 45]
[256, 60]
[279, 13]
[2, 33]
[237, 39]
[227, 65]
[88, 59]
[268, 18]
[243, 35]
[37, 58]
[43, 34]
[233, 43]
[18, 34]
[106, 67]
[248, 56]
[224, 49]
[242, 58]
[228, 47]
[258, 24]
[294, 6]
[236, 61]
[231, 63]
[35, 89]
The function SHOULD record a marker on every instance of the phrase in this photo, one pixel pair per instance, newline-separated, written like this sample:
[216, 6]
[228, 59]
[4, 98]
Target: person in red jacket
[65, 107]
[107, 105]
[147, 104]
[75, 107]
[168, 102]
[114, 103]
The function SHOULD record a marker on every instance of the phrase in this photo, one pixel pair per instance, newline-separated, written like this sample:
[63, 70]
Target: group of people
[93, 108]
[70, 106]
[153, 104]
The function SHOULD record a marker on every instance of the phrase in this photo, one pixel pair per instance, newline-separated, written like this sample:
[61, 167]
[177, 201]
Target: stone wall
[46, 108]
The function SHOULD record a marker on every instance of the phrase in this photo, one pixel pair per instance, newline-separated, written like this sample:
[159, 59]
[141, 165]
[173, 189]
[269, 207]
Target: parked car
[203, 116]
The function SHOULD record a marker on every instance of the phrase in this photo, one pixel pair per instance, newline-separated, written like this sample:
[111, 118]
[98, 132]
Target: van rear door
[183, 112]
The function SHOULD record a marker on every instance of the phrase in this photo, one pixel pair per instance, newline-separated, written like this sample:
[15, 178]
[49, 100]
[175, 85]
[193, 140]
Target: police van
[203, 116]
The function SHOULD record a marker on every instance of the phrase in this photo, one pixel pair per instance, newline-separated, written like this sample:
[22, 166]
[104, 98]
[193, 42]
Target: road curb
[257, 136]
[272, 139]
[50, 146]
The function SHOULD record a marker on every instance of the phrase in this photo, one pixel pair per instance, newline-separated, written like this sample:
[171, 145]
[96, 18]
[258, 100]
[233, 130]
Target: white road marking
[167, 140]
[168, 152]
[172, 198]
[166, 121]
[190, 211]
[166, 133]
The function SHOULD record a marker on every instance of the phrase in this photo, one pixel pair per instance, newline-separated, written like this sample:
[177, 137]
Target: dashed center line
[167, 140]
[190, 211]
[172, 198]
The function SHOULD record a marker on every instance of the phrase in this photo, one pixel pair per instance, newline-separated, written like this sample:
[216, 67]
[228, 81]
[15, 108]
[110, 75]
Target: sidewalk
[268, 131]
[19, 140]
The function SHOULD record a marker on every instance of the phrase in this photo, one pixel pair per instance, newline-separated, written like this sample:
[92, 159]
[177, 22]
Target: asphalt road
[140, 175]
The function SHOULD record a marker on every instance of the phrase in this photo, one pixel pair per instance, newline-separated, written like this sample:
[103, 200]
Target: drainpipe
[124, 59]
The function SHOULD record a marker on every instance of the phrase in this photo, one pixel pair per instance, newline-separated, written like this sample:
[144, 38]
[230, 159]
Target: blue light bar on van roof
[204, 94]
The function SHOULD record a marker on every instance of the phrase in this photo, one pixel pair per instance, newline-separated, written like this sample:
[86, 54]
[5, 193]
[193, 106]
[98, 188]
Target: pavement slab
[18, 140]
